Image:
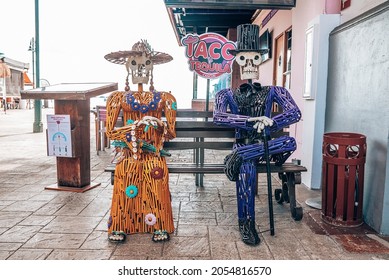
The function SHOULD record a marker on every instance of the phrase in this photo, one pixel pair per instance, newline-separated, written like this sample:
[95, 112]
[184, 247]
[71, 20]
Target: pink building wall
[298, 19]
[280, 22]
[305, 12]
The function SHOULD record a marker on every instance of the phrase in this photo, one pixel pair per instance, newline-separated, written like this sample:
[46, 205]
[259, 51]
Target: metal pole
[32, 44]
[33, 67]
[37, 126]
[269, 187]
[4, 89]
[207, 97]
[195, 80]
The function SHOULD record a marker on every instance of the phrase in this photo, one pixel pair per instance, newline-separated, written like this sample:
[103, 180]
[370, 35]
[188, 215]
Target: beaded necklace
[144, 108]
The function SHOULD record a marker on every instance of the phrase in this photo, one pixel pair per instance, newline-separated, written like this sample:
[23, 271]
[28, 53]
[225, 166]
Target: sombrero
[120, 57]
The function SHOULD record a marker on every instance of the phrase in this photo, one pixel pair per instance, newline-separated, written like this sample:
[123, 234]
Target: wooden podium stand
[73, 173]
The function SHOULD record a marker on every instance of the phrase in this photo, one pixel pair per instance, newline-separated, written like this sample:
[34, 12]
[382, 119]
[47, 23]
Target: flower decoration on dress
[157, 96]
[153, 105]
[144, 108]
[130, 98]
[150, 219]
[157, 173]
[131, 191]
[128, 136]
[135, 106]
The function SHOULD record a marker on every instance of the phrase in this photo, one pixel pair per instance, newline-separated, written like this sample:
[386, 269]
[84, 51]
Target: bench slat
[211, 168]
[186, 145]
[190, 125]
[204, 134]
[219, 168]
[183, 113]
[192, 168]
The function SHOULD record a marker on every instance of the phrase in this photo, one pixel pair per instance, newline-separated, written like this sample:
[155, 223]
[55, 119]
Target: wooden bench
[195, 130]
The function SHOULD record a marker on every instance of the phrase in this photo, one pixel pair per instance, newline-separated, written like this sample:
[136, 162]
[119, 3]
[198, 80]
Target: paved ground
[45, 224]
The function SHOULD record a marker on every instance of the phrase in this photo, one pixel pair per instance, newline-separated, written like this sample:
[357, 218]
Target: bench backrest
[195, 129]
[199, 125]
[101, 113]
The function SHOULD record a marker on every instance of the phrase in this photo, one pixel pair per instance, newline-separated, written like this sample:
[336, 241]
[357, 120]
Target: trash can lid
[344, 138]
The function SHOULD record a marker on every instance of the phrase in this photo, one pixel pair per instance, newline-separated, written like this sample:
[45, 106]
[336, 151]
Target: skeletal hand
[261, 123]
[149, 120]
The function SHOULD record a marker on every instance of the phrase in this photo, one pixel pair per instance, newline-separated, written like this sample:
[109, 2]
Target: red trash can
[344, 157]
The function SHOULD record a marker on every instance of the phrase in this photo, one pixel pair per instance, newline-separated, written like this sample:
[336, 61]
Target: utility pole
[37, 126]
[32, 50]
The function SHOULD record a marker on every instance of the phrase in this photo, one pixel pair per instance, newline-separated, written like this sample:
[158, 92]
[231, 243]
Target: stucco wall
[357, 101]
[358, 7]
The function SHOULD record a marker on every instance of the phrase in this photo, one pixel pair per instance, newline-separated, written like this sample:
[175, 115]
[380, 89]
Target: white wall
[314, 108]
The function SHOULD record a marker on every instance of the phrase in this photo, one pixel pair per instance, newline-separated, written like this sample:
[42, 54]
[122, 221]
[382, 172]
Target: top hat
[248, 39]
[120, 57]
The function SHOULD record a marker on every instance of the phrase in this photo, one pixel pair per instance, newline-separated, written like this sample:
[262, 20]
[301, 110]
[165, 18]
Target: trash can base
[341, 223]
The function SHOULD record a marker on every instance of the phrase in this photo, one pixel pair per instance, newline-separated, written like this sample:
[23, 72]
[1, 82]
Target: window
[308, 73]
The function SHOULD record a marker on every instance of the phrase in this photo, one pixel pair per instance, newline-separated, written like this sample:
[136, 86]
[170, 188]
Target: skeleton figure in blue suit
[248, 110]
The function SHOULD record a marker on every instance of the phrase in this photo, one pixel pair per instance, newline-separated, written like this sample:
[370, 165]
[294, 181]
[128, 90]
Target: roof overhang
[194, 16]
[16, 65]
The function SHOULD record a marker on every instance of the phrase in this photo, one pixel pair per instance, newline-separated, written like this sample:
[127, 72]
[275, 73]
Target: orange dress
[141, 200]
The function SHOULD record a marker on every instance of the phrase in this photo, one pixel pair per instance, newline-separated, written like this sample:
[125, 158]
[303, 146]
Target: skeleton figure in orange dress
[141, 201]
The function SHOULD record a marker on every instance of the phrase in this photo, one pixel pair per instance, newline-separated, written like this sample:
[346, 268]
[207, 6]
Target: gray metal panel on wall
[358, 100]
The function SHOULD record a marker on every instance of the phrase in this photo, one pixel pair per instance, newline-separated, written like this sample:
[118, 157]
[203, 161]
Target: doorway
[279, 61]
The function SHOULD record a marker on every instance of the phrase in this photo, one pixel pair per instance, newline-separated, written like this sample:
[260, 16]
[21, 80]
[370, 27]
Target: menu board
[59, 140]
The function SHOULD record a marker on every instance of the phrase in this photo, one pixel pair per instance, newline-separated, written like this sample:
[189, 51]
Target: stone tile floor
[39, 224]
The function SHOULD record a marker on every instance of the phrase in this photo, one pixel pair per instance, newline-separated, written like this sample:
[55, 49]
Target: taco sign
[208, 54]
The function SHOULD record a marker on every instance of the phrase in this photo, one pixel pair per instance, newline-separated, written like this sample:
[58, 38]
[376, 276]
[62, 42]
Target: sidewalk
[43, 224]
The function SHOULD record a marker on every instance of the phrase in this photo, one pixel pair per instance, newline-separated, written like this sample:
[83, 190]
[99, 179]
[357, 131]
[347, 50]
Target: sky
[76, 34]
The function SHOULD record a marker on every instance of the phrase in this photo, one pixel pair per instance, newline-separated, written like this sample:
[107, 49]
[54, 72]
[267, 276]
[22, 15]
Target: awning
[27, 81]
[193, 16]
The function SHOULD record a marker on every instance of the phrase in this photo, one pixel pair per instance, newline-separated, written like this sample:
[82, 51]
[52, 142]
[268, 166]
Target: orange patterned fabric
[141, 200]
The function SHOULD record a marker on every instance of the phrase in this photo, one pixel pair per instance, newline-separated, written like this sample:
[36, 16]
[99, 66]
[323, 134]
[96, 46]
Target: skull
[141, 68]
[249, 64]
